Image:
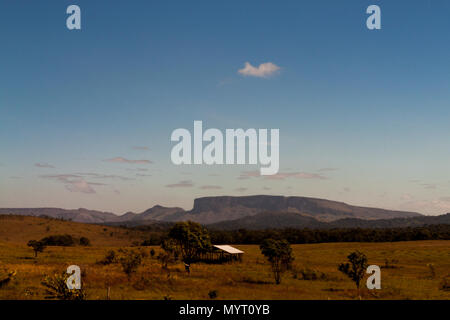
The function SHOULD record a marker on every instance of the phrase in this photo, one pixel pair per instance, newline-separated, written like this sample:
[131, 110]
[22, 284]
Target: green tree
[279, 254]
[38, 246]
[355, 268]
[191, 239]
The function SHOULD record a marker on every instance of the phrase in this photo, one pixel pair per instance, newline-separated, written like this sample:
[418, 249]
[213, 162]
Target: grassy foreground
[410, 276]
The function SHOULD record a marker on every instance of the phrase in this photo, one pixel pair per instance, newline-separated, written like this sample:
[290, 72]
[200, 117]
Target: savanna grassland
[414, 270]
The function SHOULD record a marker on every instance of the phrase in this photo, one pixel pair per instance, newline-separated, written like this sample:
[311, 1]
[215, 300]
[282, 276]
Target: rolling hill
[21, 229]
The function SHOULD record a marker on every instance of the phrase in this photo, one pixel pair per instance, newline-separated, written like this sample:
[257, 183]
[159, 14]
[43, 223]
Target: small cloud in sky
[43, 165]
[143, 175]
[327, 169]
[210, 187]
[282, 175]
[104, 176]
[406, 197]
[74, 182]
[124, 160]
[143, 148]
[430, 186]
[264, 70]
[181, 184]
[80, 186]
[240, 189]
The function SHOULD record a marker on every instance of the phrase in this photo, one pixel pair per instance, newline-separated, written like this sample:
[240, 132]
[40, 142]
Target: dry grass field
[416, 272]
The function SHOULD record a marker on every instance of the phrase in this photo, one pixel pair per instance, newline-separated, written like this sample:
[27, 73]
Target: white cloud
[282, 175]
[264, 70]
[44, 165]
[210, 187]
[181, 184]
[123, 160]
[74, 182]
[79, 186]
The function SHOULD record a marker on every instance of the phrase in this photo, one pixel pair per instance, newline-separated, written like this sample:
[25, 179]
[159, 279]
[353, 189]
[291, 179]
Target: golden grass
[251, 279]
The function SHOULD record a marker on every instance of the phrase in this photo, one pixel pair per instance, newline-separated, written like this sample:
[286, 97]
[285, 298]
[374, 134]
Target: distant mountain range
[251, 212]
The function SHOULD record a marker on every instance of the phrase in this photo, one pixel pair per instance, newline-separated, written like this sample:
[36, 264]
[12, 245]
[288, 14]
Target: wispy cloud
[124, 160]
[143, 175]
[104, 176]
[327, 169]
[43, 165]
[430, 186]
[74, 183]
[282, 175]
[143, 148]
[264, 70]
[181, 184]
[240, 189]
[210, 187]
[79, 186]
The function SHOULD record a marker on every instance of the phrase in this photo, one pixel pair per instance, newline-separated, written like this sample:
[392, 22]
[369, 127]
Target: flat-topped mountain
[209, 210]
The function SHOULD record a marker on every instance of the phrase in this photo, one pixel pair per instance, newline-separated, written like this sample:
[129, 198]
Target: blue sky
[363, 115]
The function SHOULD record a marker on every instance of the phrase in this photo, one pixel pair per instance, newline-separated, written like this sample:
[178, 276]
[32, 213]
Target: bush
[445, 283]
[4, 280]
[308, 274]
[109, 258]
[65, 240]
[56, 288]
[85, 241]
[130, 262]
[212, 294]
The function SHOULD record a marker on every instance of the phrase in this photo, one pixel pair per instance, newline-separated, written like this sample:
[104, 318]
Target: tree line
[300, 236]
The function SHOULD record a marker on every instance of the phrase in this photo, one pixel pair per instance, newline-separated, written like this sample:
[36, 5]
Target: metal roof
[228, 249]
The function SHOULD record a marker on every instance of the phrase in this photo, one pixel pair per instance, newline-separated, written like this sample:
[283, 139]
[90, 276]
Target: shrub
[212, 294]
[56, 288]
[64, 240]
[4, 280]
[168, 254]
[130, 262]
[109, 258]
[309, 274]
[85, 241]
[152, 253]
[445, 283]
[390, 264]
